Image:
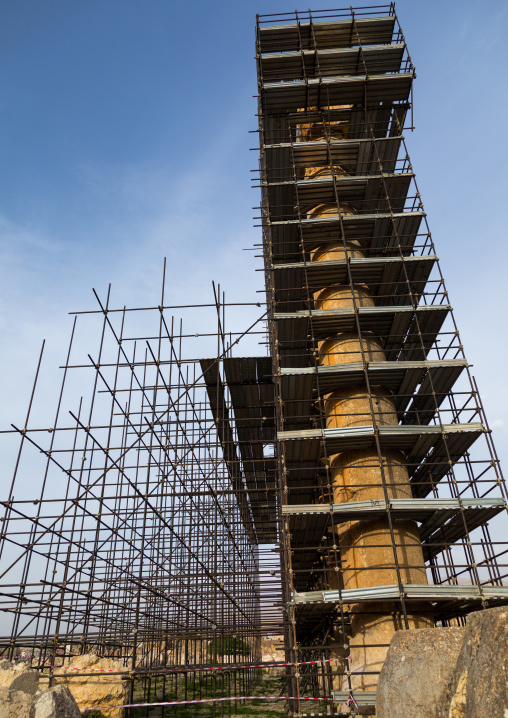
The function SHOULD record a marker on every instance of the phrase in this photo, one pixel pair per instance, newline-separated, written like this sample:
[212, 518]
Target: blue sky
[124, 138]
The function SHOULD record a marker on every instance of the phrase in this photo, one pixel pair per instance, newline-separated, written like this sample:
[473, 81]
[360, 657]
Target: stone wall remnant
[99, 689]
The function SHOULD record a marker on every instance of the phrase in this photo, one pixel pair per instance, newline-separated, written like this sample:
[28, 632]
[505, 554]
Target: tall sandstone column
[366, 548]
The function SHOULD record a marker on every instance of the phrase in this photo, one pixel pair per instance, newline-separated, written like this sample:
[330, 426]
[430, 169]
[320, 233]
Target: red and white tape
[351, 701]
[209, 700]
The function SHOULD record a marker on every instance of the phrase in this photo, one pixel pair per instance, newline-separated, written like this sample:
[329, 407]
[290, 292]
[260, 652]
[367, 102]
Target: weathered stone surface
[19, 677]
[57, 702]
[27, 681]
[479, 682]
[271, 650]
[15, 704]
[100, 689]
[8, 672]
[417, 671]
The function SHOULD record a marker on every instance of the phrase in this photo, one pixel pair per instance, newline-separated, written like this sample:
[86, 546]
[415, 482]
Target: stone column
[367, 553]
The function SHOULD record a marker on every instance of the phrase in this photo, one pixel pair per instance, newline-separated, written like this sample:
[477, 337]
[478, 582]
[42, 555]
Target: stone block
[99, 689]
[19, 677]
[56, 702]
[7, 673]
[15, 704]
[417, 671]
[27, 681]
[479, 682]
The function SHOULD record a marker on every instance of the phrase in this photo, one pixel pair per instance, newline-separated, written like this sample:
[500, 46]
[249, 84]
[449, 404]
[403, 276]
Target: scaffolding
[138, 524]
[190, 496]
[392, 500]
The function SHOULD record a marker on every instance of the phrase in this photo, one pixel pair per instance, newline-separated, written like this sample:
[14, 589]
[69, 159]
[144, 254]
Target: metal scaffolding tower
[387, 473]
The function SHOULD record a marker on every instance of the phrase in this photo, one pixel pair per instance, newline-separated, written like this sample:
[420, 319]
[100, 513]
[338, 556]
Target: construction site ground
[269, 685]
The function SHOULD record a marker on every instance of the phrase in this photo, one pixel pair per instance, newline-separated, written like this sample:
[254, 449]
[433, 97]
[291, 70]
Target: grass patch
[268, 685]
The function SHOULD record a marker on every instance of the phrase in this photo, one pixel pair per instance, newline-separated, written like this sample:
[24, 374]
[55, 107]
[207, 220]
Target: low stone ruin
[272, 650]
[55, 702]
[100, 689]
[24, 692]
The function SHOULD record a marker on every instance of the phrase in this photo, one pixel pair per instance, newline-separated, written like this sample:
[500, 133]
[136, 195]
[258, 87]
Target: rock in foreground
[479, 684]
[448, 672]
[417, 671]
[15, 704]
[18, 677]
[57, 702]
